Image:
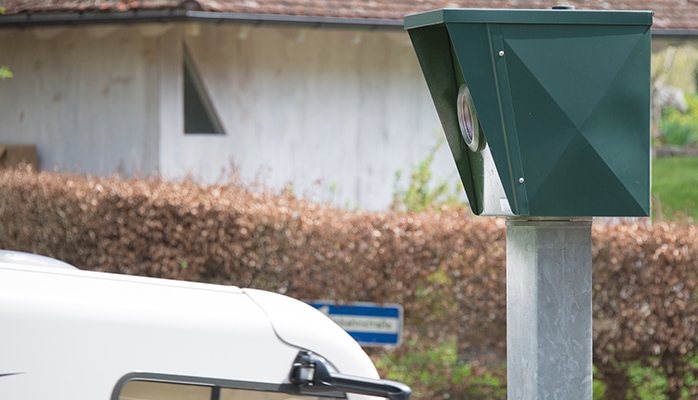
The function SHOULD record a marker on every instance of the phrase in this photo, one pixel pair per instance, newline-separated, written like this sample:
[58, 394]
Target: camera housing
[546, 112]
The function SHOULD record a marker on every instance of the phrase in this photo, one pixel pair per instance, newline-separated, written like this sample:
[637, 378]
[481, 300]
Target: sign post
[549, 338]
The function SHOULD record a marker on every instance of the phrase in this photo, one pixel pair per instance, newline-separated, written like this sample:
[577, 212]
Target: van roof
[63, 324]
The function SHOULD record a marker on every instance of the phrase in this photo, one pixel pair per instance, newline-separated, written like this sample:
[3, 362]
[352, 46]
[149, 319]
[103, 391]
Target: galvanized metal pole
[549, 338]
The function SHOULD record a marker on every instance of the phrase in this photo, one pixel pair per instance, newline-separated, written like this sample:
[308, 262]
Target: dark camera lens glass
[467, 119]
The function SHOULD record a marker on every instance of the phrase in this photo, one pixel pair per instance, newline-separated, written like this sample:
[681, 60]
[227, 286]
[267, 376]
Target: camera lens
[467, 119]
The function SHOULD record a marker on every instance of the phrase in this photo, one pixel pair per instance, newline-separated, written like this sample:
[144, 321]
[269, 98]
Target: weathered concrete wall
[344, 108]
[85, 96]
[334, 112]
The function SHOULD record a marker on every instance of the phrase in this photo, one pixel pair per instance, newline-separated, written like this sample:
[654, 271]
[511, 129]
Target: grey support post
[549, 338]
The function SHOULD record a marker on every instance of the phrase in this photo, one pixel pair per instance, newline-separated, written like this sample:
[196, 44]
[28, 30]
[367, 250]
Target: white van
[72, 334]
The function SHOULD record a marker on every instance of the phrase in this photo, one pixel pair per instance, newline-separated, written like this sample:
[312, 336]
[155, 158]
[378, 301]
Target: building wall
[85, 96]
[335, 112]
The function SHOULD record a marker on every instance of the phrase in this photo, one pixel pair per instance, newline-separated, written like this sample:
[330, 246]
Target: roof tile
[669, 14]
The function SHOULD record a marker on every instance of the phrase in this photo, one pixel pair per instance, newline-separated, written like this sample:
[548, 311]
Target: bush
[439, 371]
[446, 268]
[421, 193]
[681, 129]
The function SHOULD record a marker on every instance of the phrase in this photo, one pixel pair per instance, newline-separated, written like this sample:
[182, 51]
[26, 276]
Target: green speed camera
[546, 112]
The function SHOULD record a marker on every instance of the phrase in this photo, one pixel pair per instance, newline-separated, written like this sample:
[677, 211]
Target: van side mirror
[310, 373]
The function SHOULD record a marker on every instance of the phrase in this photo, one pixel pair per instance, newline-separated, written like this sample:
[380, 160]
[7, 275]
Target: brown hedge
[447, 268]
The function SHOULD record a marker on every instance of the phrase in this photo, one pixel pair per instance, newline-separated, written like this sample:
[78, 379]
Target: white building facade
[333, 111]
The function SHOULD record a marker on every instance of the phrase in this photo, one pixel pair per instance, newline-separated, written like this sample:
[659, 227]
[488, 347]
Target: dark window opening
[199, 114]
[154, 390]
[309, 378]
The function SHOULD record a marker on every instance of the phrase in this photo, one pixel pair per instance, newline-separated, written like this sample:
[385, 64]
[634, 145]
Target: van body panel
[71, 334]
[321, 339]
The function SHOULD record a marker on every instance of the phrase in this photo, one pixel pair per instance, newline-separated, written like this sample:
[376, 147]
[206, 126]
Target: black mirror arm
[311, 373]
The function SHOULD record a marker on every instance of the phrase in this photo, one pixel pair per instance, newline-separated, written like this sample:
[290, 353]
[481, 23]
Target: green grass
[675, 188]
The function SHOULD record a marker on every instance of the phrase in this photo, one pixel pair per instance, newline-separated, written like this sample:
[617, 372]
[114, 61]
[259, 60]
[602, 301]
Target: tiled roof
[669, 14]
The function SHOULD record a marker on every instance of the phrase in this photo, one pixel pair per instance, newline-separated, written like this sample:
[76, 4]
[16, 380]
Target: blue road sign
[370, 324]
